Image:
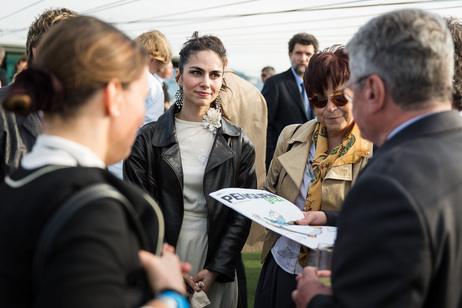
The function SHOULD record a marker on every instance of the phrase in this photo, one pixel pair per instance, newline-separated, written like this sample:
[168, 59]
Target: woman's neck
[336, 138]
[192, 113]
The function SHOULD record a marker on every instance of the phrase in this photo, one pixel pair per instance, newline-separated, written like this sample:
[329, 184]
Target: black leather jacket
[155, 165]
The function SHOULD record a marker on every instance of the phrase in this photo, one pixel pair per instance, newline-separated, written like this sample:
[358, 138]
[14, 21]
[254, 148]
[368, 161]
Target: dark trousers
[242, 282]
[275, 286]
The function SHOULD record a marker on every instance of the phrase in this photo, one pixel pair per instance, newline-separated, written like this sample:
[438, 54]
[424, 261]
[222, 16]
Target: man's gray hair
[411, 51]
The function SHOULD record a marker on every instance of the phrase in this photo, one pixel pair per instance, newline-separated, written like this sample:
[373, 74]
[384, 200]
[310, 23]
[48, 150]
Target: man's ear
[375, 93]
[113, 98]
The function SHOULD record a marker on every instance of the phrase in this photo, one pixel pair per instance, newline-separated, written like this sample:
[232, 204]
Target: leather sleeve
[137, 167]
[237, 225]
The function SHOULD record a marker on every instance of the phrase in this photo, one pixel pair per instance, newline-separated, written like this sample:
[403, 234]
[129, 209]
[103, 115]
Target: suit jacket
[399, 237]
[17, 136]
[285, 107]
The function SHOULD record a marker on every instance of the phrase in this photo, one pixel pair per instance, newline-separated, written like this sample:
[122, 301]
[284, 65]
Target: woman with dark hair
[332, 154]
[71, 232]
[191, 151]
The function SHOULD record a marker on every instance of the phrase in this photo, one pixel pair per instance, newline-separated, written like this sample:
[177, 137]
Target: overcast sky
[255, 32]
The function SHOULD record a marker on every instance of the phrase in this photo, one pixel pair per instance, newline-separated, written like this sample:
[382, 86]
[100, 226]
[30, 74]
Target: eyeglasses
[339, 98]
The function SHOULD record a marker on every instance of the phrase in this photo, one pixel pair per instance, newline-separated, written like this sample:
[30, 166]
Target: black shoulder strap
[73, 204]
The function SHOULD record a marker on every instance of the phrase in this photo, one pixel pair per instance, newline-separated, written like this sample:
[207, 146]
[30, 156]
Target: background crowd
[105, 178]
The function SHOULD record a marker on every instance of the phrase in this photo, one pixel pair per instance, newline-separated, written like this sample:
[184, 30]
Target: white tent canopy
[255, 32]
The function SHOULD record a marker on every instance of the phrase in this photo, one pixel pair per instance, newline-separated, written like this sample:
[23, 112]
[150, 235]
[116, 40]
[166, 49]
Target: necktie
[305, 101]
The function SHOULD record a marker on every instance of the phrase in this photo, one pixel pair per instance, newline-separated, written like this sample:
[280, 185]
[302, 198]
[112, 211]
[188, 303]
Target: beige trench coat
[285, 174]
[245, 107]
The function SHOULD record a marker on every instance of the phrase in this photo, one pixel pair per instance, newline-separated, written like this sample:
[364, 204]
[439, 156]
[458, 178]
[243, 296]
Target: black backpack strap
[72, 205]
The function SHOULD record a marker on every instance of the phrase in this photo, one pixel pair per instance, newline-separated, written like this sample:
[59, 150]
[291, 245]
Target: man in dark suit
[284, 93]
[399, 237]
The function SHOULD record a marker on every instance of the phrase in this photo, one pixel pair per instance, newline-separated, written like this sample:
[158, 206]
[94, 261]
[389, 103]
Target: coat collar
[433, 124]
[166, 132]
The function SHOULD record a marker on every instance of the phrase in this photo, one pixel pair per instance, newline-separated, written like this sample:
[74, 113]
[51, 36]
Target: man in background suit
[284, 93]
[400, 227]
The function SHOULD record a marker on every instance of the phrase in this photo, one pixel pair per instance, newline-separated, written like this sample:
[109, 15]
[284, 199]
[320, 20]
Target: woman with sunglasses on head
[314, 166]
[191, 151]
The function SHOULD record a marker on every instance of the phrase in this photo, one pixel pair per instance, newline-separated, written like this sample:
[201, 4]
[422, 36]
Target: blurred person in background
[3, 75]
[21, 65]
[92, 110]
[160, 54]
[332, 153]
[191, 151]
[161, 75]
[267, 72]
[18, 132]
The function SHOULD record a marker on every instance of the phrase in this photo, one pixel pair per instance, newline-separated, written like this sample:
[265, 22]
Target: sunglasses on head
[339, 98]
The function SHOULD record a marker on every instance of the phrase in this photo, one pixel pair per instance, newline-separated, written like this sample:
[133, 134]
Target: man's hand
[308, 286]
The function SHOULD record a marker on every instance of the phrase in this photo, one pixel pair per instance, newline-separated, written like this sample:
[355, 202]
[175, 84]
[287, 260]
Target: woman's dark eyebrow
[196, 68]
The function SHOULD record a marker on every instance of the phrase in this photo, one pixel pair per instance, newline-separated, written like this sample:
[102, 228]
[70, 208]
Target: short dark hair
[304, 39]
[330, 64]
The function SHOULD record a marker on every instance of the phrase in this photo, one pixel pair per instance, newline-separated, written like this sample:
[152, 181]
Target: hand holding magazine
[275, 213]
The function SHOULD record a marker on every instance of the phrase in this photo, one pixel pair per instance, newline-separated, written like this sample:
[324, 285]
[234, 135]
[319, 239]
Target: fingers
[191, 283]
[324, 273]
[185, 267]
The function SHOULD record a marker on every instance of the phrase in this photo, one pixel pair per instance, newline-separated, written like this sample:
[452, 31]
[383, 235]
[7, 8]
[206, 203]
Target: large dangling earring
[218, 102]
[179, 98]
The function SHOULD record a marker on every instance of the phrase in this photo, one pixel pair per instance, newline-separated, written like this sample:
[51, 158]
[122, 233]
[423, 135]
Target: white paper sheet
[275, 213]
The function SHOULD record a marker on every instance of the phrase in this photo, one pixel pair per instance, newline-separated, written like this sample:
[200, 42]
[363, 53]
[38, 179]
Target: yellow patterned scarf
[349, 151]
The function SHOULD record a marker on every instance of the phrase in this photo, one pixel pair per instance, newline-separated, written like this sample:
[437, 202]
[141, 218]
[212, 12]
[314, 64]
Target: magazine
[276, 214]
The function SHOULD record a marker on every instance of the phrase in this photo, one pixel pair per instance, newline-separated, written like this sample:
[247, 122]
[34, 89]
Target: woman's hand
[316, 218]
[165, 272]
[207, 277]
[188, 280]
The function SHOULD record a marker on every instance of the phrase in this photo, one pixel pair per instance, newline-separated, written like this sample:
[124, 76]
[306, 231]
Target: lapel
[165, 137]
[294, 90]
[221, 149]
